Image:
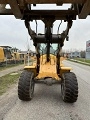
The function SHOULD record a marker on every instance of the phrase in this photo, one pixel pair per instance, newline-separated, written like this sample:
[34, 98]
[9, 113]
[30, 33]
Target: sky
[13, 32]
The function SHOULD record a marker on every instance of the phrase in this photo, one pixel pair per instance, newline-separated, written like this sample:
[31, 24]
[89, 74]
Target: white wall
[87, 55]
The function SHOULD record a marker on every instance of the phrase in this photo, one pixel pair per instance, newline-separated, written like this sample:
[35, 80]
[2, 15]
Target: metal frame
[21, 9]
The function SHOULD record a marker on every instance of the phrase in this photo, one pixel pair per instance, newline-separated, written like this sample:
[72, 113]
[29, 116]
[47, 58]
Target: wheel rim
[31, 90]
[63, 90]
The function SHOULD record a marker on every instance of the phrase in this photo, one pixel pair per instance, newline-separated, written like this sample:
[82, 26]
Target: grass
[82, 60]
[7, 80]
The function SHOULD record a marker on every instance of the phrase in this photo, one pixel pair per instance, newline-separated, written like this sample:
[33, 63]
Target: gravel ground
[47, 103]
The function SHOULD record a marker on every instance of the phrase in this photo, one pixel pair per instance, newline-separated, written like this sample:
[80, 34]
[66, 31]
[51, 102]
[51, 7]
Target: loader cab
[53, 49]
[7, 53]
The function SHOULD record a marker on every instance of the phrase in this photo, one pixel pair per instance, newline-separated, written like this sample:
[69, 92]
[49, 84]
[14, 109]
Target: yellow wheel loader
[5, 55]
[48, 64]
[48, 45]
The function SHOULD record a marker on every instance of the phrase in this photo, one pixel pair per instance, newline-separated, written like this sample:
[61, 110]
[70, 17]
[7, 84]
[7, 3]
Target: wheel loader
[48, 68]
[48, 45]
[5, 55]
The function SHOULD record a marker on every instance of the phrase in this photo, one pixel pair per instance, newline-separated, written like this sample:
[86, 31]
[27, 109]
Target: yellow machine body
[18, 56]
[2, 57]
[48, 69]
[5, 55]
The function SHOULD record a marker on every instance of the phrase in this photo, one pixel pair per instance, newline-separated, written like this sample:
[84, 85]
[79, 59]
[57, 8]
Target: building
[88, 49]
[75, 54]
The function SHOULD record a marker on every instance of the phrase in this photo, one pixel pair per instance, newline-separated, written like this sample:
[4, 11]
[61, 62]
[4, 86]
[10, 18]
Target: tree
[83, 54]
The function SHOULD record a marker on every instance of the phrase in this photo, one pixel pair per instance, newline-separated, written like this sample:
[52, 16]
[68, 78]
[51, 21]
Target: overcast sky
[13, 33]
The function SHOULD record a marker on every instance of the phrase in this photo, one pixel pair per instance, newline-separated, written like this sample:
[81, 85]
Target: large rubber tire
[69, 87]
[26, 86]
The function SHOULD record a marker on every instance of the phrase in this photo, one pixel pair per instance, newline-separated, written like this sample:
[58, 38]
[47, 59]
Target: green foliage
[82, 60]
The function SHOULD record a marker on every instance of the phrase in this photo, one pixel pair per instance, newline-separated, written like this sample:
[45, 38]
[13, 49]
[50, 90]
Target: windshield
[53, 48]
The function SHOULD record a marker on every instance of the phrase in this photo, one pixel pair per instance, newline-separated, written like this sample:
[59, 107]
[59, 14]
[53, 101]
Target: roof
[6, 46]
